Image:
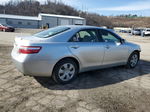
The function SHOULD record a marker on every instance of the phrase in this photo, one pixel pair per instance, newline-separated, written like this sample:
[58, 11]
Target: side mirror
[122, 41]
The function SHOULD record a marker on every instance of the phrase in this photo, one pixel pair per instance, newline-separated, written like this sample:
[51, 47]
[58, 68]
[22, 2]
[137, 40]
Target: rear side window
[51, 32]
[85, 36]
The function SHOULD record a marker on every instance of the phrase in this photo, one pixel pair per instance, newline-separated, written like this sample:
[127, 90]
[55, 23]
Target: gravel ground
[109, 90]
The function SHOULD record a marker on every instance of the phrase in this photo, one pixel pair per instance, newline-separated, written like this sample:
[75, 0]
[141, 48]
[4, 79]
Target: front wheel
[65, 71]
[133, 60]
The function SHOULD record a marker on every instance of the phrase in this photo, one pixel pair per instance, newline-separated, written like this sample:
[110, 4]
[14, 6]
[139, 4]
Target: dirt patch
[109, 90]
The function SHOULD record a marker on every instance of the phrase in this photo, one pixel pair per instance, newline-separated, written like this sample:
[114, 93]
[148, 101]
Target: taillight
[29, 49]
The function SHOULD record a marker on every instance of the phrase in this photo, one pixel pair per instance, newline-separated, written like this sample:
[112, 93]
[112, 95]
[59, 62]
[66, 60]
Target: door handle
[107, 47]
[75, 47]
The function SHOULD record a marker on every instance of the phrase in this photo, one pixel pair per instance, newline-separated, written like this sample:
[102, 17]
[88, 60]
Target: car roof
[83, 27]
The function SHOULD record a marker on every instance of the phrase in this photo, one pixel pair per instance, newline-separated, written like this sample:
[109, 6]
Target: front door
[115, 51]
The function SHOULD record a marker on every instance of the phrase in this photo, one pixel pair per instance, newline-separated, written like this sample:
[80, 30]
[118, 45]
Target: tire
[4, 30]
[133, 60]
[65, 71]
[13, 30]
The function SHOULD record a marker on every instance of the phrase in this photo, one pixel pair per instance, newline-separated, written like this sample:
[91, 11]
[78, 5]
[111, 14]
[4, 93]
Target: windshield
[51, 32]
[137, 30]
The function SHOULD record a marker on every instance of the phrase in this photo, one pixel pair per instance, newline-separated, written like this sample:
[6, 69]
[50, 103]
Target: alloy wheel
[134, 60]
[66, 72]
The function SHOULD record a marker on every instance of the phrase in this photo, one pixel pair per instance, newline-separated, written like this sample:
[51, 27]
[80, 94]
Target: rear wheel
[133, 60]
[65, 71]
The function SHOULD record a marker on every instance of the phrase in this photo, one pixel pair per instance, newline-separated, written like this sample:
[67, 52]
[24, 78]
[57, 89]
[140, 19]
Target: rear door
[85, 46]
[115, 51]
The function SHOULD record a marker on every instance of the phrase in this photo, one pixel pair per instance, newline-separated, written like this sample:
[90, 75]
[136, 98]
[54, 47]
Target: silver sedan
[63, 52]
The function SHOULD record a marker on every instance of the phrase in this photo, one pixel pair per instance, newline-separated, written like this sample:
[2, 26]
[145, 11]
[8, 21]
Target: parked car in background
[146, 32]
[136, 31]
[6, 28]
[63, 52]
[125, 30]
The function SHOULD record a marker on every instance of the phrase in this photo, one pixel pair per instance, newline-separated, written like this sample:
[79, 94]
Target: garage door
[78, 22]
[64, 22]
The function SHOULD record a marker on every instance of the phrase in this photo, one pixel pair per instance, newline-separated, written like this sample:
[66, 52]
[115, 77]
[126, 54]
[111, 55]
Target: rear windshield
[137, 30]
[51, 32]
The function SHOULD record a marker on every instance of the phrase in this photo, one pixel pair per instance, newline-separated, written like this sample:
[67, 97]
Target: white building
[49, 20]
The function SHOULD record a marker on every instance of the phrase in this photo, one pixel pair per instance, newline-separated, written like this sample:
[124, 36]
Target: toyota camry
[64, 51]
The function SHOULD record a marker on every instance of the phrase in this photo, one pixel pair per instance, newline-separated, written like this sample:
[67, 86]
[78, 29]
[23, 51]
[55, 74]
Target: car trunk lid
[24, 44]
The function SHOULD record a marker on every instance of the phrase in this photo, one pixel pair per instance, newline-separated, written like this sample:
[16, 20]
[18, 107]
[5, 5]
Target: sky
[108, 7]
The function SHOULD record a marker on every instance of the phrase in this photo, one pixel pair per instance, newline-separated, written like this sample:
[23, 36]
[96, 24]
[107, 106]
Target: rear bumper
[32, 67]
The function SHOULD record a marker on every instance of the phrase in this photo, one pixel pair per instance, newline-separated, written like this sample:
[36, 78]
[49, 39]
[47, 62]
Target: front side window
[108, 36]
[51, 32]
[85, 36]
